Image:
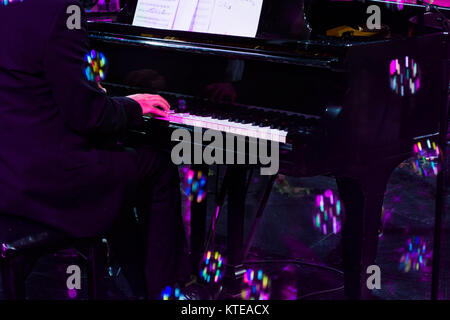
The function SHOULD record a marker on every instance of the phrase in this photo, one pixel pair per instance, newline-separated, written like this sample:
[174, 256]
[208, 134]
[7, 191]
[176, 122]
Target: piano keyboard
[227, 126]
[255, 122]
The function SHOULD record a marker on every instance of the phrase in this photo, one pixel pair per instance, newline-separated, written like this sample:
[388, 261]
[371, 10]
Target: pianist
[51, 168]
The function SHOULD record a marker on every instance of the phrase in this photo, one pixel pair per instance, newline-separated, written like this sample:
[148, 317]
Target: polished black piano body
[360, 129]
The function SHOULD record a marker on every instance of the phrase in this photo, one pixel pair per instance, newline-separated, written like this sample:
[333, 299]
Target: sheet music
[185, 14]
[228, 17]
[243, 14]
[156, 13]
[203, 16]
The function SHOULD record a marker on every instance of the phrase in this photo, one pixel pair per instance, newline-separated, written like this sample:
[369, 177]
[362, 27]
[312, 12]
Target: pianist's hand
[101, 87]
[152, 104]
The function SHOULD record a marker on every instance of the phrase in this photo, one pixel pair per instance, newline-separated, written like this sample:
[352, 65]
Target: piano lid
[297, 20]
[245, 18]
[284, 34]
[278, 19]
[270, 19]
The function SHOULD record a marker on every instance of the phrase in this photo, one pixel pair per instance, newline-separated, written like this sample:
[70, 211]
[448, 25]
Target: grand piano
[329, 101]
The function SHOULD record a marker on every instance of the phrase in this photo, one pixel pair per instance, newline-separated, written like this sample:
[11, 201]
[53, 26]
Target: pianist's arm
[85, 107]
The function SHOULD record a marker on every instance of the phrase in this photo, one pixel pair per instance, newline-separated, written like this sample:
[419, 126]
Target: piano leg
[198, 225]
[362, 195]
[235, 218]
[220, 199]
[259, 213]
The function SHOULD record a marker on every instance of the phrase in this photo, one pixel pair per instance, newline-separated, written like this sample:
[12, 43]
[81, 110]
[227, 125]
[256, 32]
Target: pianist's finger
[156, 100]
[162, 102]
[156, 112]
[150, 102]
[101, 87]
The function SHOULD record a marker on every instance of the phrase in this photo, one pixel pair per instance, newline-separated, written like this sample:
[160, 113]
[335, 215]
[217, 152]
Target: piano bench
[23, 242]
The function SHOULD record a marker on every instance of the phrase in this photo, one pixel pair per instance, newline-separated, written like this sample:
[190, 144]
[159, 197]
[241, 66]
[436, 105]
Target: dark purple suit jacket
[50, 170]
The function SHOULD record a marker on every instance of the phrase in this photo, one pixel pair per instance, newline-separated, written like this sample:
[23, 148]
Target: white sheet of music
[156, 13]
[185, 13]
[229, 17]
[236, 17]
[202, 19]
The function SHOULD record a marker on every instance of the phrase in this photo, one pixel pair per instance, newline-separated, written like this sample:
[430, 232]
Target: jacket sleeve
[83, 106]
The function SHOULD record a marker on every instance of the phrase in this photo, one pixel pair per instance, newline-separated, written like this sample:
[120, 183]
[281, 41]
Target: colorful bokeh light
[6, 2]
[395, 4]
[427, 158]
[170, 293]
[105, 6]
[95, 70]
[404, 76]
[196, 186]
[255, 285]
[212, 267]
[328, 213]
[415, 256]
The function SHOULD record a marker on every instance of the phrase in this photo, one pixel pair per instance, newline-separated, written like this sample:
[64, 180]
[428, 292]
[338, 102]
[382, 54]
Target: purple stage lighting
[416, 256]
[426, 162]
[404, 76]
[255, 285]
[328, 213]
[170, 293]
[6, 2]
[212, 267]
[196, 189]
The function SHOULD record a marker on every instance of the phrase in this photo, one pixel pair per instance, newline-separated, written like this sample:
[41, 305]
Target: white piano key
[228, 126]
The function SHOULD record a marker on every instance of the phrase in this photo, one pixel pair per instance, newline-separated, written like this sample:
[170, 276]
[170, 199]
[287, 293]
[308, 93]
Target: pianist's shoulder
[38, 14]
[26, 27]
